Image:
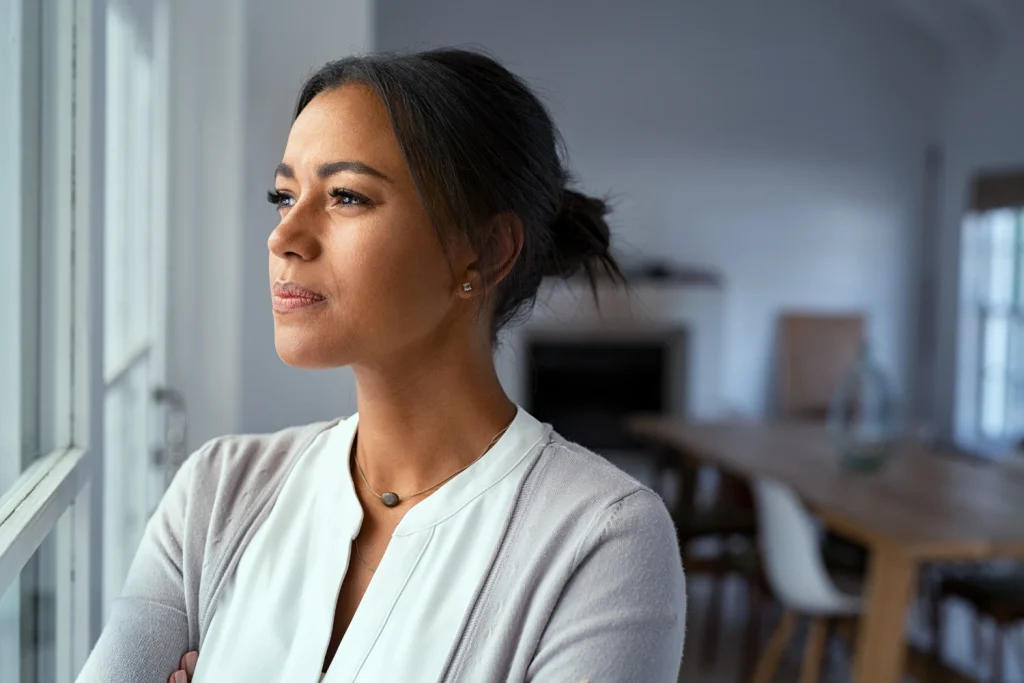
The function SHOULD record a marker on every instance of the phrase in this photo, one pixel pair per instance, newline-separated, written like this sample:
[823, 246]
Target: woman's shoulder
[239, 457]
[587, 545]
[580, 495]
[225, 484]
[214, 504]
[592, 479]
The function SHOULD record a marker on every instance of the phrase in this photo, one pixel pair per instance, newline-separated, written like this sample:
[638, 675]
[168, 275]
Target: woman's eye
[349, 198]
[280, 199]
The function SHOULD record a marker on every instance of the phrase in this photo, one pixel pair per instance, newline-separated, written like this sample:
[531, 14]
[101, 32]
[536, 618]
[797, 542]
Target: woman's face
[357, 271]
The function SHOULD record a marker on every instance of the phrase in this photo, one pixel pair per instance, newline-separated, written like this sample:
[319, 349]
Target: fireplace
[586, 386]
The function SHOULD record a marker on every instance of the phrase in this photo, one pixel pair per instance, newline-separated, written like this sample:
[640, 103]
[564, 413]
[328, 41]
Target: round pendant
[390, 499]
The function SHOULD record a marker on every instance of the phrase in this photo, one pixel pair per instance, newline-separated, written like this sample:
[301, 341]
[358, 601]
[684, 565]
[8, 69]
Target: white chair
[791, 555]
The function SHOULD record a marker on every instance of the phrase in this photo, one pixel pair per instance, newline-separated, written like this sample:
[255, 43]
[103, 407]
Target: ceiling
[974, 25]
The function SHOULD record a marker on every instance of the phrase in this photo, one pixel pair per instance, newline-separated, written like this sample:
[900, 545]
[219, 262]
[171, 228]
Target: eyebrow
[327, 170]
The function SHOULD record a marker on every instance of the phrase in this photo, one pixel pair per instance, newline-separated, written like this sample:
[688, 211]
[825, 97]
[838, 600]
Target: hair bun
[580, 237]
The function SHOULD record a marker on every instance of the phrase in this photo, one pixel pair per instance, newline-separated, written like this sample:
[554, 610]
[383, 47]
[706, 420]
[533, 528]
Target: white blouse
[274, 621]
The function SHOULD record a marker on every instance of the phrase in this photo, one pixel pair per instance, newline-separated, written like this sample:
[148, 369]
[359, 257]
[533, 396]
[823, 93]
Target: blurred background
[820, 207]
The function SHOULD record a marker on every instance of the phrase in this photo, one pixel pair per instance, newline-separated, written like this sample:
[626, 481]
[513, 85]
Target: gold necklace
[359, 555]
[391, 499]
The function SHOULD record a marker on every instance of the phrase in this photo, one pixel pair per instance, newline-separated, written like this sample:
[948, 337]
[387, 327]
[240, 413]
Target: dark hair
[480, 144]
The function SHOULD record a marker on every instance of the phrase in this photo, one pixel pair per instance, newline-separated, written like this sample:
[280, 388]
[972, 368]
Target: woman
[442, 533]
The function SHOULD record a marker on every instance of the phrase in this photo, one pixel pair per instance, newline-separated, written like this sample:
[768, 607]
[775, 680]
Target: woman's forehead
[349, 123]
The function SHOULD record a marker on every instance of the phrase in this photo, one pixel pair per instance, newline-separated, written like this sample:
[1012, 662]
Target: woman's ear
[507, 230]
[505, 242]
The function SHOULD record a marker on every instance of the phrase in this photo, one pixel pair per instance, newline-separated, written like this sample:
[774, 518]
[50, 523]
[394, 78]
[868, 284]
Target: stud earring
[467, 286]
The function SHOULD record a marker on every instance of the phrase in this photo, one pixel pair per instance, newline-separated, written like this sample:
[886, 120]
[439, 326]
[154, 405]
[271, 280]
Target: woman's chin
[307, 351]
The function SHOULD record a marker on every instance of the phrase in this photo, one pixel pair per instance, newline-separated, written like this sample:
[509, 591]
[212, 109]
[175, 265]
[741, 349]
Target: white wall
[779, 142]
[983, 130]
[285, 46]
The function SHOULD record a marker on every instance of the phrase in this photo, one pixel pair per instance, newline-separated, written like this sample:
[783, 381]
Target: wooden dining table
[924, 506]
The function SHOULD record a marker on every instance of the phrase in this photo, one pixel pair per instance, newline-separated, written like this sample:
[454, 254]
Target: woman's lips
[288, 297]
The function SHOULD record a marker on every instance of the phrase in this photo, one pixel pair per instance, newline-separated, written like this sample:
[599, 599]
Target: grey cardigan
[586, 582]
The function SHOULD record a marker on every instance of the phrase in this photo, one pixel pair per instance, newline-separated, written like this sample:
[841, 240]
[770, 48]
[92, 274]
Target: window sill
[31, 508]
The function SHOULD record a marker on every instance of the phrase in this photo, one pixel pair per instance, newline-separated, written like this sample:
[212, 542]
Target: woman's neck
[419, 422]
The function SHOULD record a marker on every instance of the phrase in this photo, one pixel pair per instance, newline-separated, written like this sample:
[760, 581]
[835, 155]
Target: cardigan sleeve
[621, 615]
[147, 631]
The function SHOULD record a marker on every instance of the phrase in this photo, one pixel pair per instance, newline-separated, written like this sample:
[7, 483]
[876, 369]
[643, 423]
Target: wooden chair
[730, 518]
[995, 597]
[814, 352]
[995, 594]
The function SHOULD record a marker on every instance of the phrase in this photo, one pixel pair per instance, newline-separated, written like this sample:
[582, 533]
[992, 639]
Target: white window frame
[975, 309]
[69, 479]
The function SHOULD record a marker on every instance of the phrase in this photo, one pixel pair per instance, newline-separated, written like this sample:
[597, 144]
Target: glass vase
[863, 416]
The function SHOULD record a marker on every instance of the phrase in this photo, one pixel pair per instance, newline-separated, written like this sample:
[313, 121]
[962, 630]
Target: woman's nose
[295, 237]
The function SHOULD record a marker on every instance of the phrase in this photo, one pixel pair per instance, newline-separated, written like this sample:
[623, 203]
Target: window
[84, 96]
[991, 404]
[1001, 395]
[48, 346]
